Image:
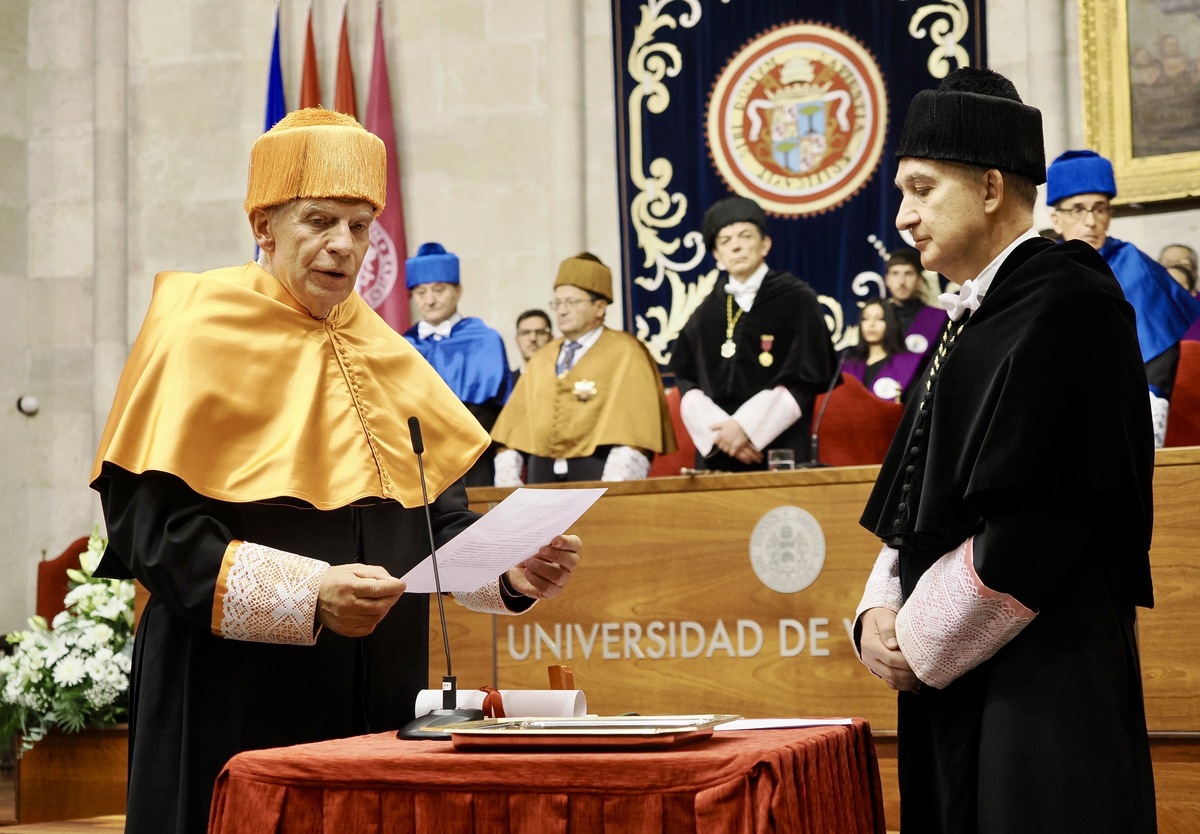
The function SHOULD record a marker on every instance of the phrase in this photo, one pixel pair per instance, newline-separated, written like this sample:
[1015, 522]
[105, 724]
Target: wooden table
[822, 780]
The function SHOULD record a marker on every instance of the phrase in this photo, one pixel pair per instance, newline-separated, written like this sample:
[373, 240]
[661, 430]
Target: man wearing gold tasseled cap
[258, 477]
[590, 405]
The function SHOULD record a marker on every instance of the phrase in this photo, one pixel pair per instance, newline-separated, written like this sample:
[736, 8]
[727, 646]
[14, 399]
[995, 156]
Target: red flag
[310, 81]
[344, 97]
[381, 279]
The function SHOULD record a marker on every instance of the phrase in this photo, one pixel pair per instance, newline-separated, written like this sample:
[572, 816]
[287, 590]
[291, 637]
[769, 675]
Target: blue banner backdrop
[795, 103]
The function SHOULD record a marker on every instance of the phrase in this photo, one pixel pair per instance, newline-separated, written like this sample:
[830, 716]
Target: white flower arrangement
[73, 673]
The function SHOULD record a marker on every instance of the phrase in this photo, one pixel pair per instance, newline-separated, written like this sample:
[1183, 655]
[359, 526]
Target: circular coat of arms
[797, 119]
[380, 268]
[787, 549]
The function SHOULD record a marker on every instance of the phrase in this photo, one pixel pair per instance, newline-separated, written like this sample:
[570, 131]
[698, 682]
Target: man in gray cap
[1002, 603]
[755, 354]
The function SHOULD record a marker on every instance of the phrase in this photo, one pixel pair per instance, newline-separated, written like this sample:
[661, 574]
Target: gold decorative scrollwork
[653, 208]
[945, 32]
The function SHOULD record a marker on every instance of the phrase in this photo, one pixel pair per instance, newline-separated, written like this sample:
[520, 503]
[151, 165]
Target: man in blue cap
[1079, 187]
[465, 352]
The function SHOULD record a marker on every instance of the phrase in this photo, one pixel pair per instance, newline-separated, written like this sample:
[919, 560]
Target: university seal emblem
[787, 549]
[797, 118]
[380, 269]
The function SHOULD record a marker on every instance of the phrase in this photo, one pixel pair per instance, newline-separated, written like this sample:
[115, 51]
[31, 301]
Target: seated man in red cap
[258, 477]
[590, 405]
[465, 352]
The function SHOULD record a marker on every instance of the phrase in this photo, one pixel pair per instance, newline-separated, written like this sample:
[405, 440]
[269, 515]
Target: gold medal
[766, 342]
[728, 349]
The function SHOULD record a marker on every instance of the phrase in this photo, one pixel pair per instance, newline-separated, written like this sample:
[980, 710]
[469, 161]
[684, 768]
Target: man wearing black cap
[751, 360]
[1015, 504]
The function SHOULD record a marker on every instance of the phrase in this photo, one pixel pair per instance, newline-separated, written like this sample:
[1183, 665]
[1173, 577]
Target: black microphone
[837, 377]
[424, 726]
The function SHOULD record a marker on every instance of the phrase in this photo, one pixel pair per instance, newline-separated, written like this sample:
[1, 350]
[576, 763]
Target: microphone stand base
[426, 726]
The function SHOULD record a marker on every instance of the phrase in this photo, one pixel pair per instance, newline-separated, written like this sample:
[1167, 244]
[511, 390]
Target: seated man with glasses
[1079, 186]
[590, 405]
[533, 333]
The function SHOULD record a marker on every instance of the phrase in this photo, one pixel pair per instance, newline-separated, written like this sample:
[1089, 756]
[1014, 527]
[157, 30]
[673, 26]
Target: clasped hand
[880, 650]
[733, 441]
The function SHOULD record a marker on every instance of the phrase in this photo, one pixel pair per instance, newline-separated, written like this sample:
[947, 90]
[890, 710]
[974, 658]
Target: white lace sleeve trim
[271, 596]
[883, 587]
[625, 463]
[486, 600]
[952, 622]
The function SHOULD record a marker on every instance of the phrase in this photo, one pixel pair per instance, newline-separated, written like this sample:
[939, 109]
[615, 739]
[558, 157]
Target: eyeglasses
[541, 331]
[1100, 212]
[569, 303]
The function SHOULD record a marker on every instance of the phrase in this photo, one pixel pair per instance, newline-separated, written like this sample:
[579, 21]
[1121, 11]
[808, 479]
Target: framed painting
[1140, 62]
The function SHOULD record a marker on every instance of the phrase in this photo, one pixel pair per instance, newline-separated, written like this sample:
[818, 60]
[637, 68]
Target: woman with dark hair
[879, 360]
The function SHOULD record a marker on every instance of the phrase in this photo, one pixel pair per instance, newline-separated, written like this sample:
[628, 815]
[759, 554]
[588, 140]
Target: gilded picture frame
[1141, 95]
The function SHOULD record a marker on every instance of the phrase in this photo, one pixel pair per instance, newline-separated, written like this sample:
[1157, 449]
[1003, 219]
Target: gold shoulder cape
[613, 396]
[233, 387]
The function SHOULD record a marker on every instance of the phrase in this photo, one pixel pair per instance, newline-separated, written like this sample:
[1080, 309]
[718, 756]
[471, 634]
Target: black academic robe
[208, 697]
[786, 323]
[1036, 440]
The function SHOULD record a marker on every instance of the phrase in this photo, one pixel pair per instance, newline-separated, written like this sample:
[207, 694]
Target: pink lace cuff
[952, 622]
[266, 595]
[883, 587]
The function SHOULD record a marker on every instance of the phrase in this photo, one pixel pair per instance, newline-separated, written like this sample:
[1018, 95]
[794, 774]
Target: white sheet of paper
[779, 723]
[507, 535]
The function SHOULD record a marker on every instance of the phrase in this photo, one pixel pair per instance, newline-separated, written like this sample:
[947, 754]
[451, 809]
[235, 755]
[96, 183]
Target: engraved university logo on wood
[380, 268]
[787, 549]
[797, 119]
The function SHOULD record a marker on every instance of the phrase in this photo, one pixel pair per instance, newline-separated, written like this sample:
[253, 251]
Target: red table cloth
[819, 780]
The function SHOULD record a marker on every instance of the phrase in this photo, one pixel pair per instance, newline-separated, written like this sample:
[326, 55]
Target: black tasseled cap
[976, 117]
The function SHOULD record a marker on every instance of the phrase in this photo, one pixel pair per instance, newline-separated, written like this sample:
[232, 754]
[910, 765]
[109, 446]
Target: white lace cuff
[953, 622]
[267, 596]
[698, 413]
[486, 600]
[883, 587]
[1159, 407]
[767, 415]
[625, 463]
[508, 463]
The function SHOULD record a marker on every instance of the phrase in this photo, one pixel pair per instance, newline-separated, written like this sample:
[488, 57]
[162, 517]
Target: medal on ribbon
[766, 342]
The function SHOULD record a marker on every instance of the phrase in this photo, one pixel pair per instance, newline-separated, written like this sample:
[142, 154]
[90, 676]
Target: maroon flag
[310, 80]
[344, 96]
[381, 279]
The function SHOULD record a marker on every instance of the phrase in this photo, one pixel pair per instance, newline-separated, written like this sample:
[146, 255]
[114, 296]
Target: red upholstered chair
[52, 578]
[1183, 420]
[857, 427]
[685, 456]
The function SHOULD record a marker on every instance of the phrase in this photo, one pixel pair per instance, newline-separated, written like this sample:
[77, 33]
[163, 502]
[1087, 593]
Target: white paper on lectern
[507, 535]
